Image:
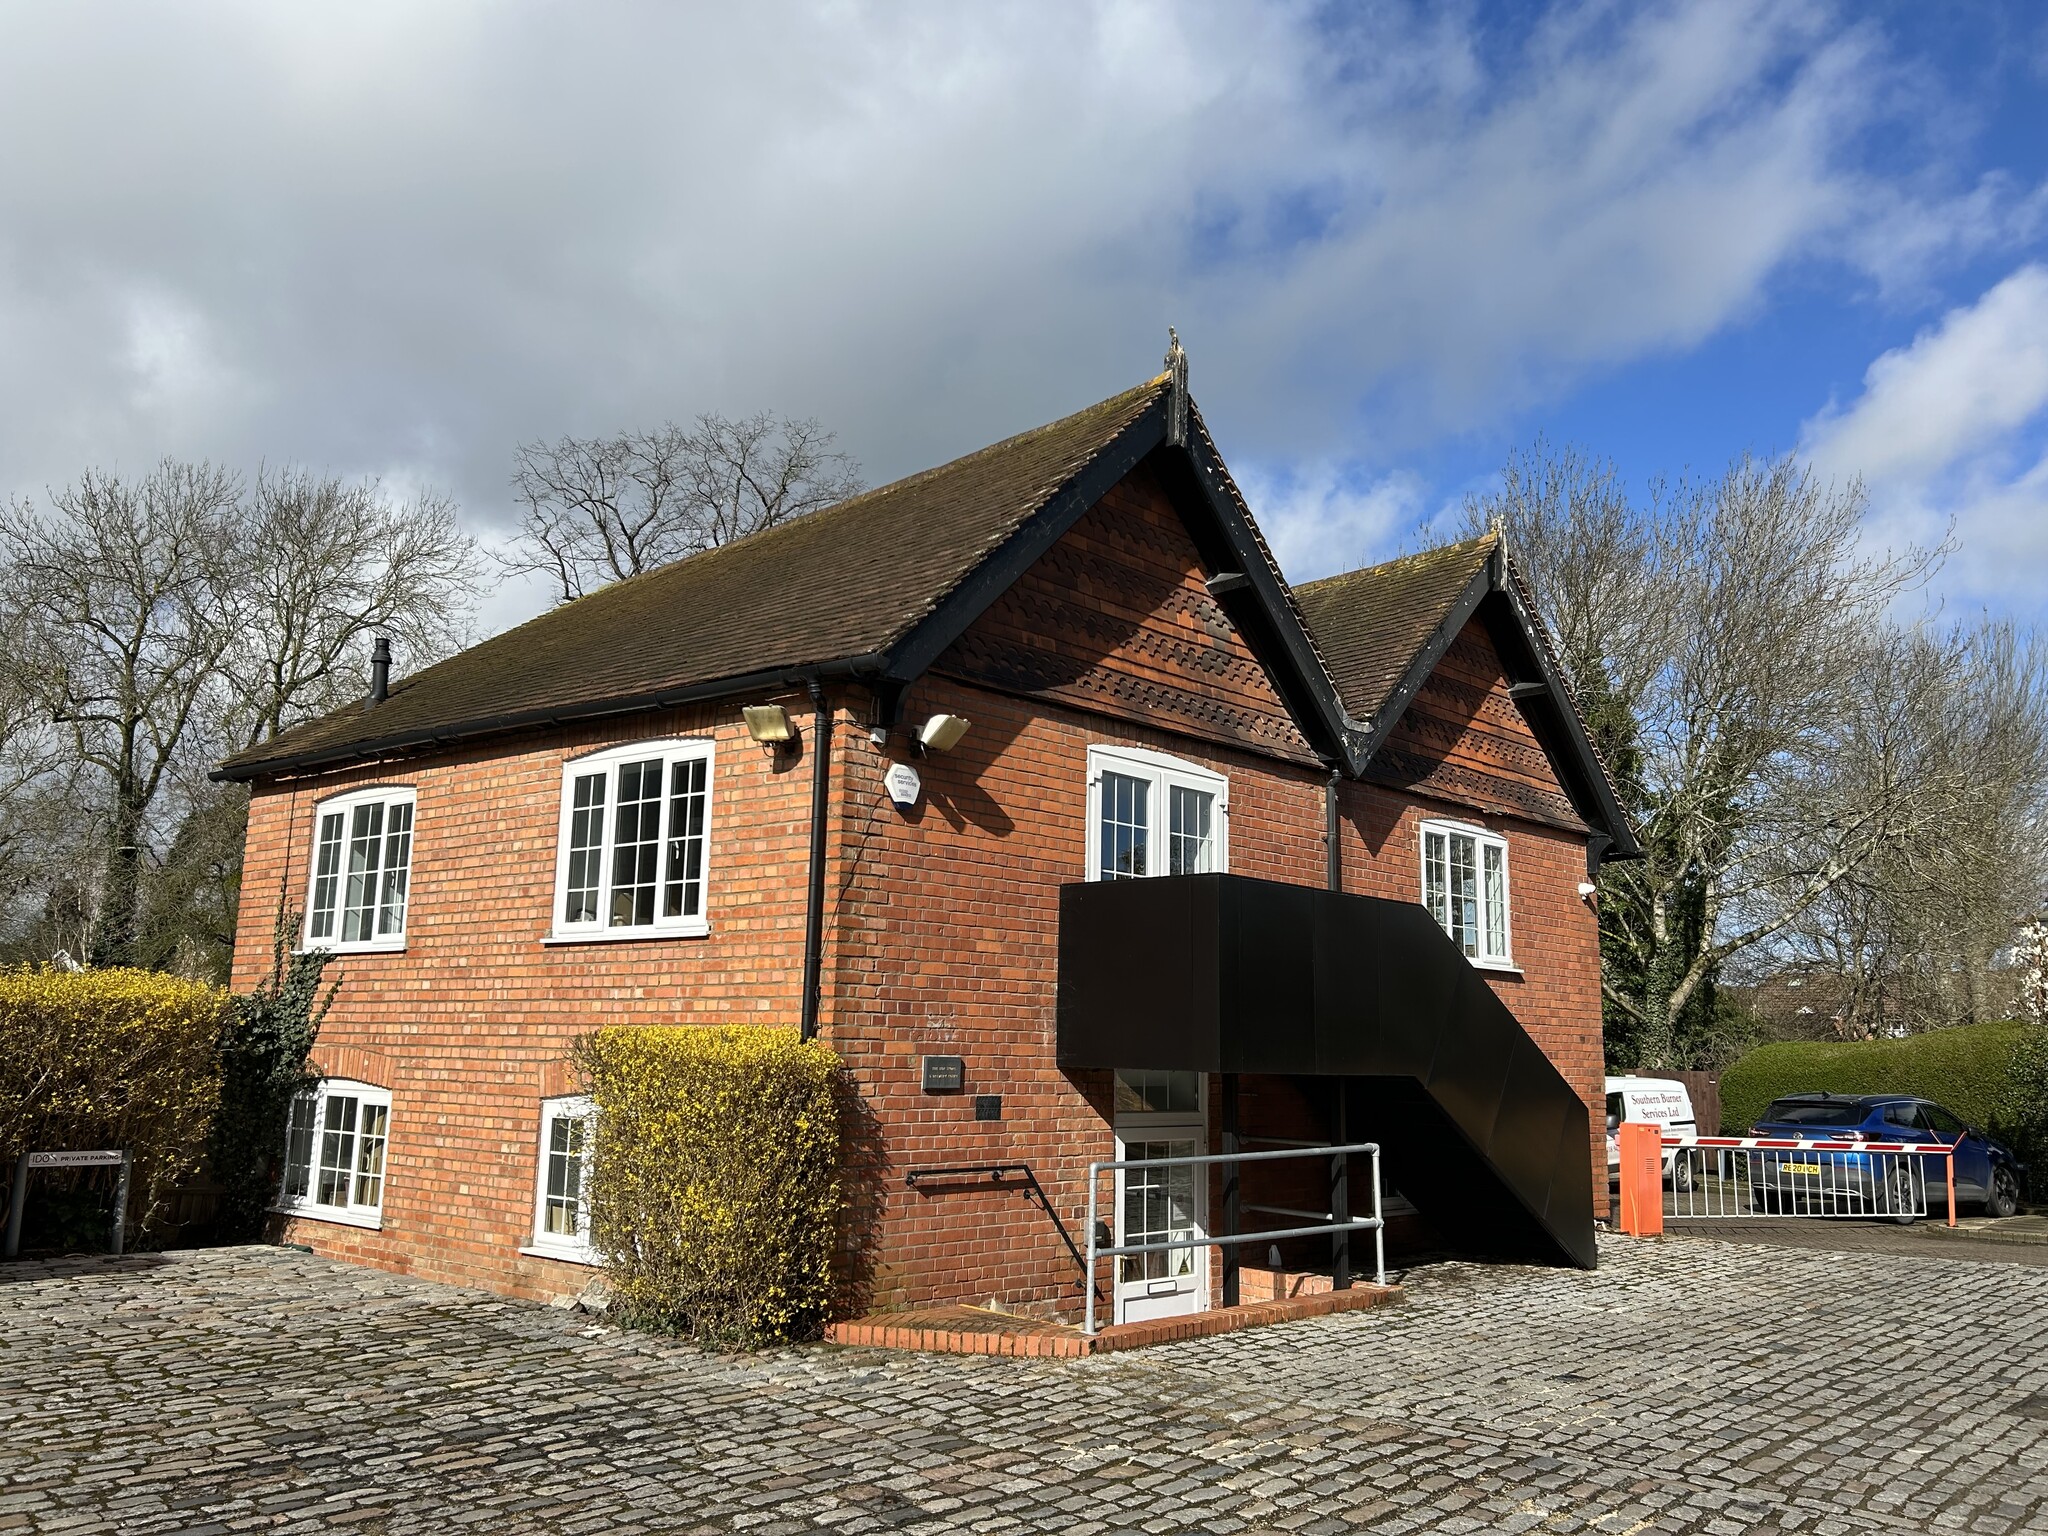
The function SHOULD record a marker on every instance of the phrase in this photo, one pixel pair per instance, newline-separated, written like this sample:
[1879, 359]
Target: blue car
[1893, 1185]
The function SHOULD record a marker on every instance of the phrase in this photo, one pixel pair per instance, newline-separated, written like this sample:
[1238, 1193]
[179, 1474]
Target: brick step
[978, 1331]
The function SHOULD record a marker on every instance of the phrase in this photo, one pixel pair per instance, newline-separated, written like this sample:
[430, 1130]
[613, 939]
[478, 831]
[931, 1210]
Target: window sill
[1496, 967]
[384, 947]
[699, 930]
[368, 1220]
[587, 1257]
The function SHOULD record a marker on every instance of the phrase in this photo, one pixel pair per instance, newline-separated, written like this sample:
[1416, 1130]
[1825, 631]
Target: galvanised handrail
[1374, 1223]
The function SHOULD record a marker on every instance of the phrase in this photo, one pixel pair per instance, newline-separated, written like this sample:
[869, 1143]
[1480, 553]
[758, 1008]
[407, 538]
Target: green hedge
[1983, 1072]
[715, 1180]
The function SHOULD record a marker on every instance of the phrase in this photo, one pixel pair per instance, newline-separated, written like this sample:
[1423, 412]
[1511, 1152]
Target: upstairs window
[362, 870]
[334, 1153]
[1465, 887]
[561, 1217]
[635, 842]
[1151, 814]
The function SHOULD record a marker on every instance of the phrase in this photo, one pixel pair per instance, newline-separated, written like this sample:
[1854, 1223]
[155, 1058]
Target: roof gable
[1384, 629]
[1117, 617]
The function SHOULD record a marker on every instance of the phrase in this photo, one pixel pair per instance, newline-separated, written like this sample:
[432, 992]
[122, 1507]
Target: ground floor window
[561, 1218]
[334, 1153]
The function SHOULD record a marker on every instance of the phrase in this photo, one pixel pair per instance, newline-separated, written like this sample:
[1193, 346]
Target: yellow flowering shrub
[714, 1183]
[110, 1058]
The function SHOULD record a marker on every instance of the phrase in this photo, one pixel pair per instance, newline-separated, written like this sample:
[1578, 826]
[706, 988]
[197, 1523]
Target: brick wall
[941, 931]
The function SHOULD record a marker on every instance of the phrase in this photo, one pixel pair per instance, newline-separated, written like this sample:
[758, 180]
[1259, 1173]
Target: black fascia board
[427, 739]
[1565, 741]
[1396, 703]
[913, 654]
[1264, 605]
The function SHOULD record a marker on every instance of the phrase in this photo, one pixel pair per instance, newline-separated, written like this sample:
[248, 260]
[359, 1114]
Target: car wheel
[1904, 1205]
[1681, 1174]
[2004, 1199]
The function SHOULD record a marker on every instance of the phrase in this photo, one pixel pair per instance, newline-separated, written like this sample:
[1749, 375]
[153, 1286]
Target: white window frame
[553, 1245]
[596, 930]
[345, 806]
[1482, 839]
[310, 1110]
[1165, 774]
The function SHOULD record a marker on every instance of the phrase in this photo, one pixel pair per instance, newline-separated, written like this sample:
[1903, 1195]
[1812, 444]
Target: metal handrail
[1375, 1223]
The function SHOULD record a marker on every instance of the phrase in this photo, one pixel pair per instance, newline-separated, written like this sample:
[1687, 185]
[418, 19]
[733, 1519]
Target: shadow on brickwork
[863, 1167]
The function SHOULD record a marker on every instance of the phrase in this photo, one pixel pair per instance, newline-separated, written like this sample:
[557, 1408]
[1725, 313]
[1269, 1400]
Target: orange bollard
[1642, 1179]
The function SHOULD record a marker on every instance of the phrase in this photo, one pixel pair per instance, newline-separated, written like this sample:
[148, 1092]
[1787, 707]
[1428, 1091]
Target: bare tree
[1731, 628]
[165, 621]
[596, 510]
[124, 599]
[333, 563]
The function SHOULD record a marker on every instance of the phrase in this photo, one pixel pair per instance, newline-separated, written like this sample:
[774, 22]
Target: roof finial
[1176, 390]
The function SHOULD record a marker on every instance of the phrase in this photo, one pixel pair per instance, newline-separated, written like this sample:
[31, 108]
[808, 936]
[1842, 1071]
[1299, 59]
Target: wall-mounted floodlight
[941, 733]
[769, 724]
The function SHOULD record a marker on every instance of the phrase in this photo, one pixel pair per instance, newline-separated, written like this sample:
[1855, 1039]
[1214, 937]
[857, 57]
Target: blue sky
[1399, 241]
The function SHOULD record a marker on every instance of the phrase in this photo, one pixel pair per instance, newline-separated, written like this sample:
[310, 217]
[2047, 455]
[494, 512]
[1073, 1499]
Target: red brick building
[570, 826]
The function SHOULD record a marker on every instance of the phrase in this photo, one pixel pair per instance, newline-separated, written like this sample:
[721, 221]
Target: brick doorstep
[976, 1331]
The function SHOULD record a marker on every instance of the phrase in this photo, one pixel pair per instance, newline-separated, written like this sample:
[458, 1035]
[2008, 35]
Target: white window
[1465, 887]
[634, 847]
[334, 1153]
[362, 870]
[1150, 814]
[561, 1215]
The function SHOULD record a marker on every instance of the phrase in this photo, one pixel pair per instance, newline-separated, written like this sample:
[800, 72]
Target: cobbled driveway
[1688, 1386]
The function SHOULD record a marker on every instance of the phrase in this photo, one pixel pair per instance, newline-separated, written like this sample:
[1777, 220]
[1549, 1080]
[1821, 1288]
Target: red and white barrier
[1720, 1177]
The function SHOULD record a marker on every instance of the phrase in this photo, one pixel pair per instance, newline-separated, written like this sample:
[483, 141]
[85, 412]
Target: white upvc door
[1156, 1205]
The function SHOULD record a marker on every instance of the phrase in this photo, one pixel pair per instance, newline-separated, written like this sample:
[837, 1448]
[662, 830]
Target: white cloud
[1322, 518]
[1956, 388]
[1953, 427]
[400, 239]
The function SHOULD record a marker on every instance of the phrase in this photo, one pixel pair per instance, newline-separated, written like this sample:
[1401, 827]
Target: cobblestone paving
[1689, 1386]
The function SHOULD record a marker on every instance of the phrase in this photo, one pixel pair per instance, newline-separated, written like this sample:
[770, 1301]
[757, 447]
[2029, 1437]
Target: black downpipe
[1333, 850]
[814, 903]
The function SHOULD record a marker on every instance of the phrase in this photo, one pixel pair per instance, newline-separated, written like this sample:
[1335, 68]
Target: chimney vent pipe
[380, 674]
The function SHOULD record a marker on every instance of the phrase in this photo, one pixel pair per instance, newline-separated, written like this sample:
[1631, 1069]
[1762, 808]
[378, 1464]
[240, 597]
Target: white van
[1663, 1102]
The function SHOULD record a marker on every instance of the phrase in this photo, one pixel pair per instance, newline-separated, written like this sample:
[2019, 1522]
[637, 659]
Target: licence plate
[1802, 1167]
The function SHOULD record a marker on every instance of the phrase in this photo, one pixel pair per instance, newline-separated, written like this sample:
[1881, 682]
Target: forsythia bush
[112, 1058]
[715, 1180]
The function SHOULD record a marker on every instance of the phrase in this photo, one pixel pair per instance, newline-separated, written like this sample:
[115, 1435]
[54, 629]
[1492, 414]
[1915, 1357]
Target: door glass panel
[1156, 1093]
[1159, 1206]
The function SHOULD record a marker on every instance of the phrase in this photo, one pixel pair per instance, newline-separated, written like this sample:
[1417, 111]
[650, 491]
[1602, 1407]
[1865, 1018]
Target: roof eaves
[244, 767]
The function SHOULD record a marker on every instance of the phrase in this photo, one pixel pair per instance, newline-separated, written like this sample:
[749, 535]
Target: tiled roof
[1371, 624]
[840, 584]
